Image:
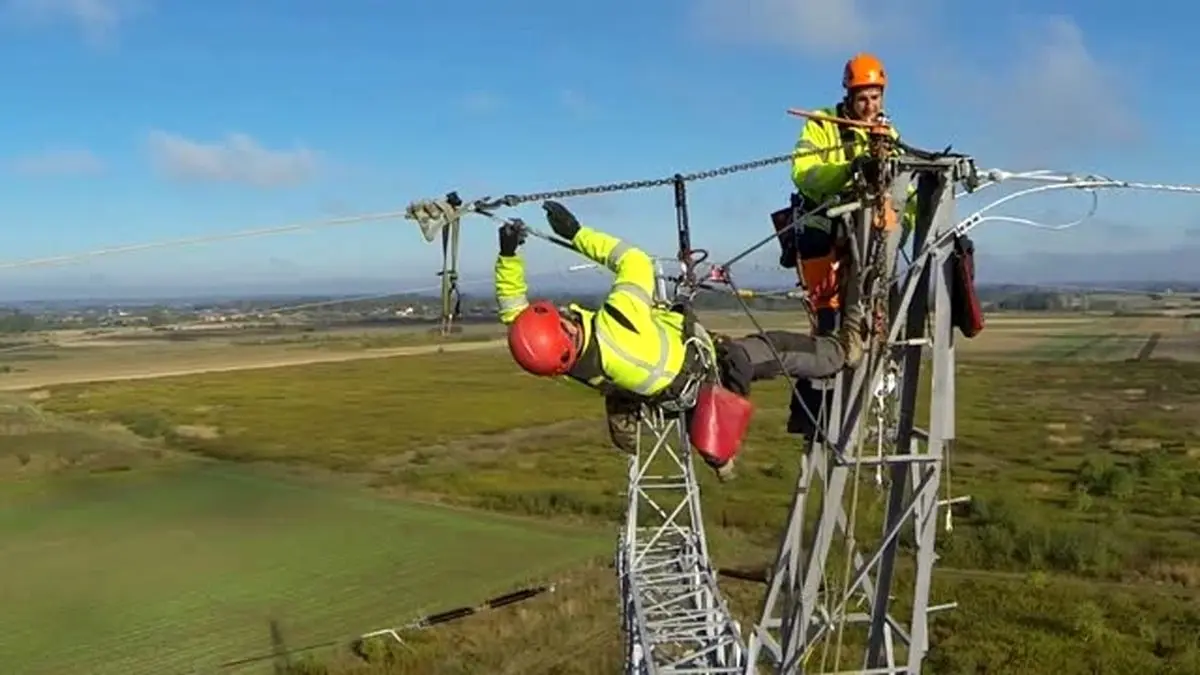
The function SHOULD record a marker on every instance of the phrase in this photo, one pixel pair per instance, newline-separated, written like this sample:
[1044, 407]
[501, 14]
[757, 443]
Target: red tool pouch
[719, 423]
[966, 313]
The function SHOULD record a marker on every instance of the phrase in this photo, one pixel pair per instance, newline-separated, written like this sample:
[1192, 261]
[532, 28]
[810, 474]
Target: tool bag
[719, 423]
[781, 220]
[719, 419]
[965, 311]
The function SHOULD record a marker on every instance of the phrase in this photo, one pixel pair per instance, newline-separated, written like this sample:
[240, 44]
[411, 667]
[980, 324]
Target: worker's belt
[694, 369]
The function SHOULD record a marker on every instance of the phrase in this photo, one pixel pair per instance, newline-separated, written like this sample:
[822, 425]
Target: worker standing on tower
[828, 156]
[634, 350]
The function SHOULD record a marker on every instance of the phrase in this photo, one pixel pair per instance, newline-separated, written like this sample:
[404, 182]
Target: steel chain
[514, 200]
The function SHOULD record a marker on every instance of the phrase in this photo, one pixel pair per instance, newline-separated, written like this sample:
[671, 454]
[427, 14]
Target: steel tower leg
[674, 618]
[828, 606]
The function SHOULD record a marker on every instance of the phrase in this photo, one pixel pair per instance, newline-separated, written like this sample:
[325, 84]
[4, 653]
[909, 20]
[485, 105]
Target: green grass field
[1077, 554]
[181, 565]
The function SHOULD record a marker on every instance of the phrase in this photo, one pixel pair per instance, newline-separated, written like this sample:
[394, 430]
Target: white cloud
[58, 162]
[814, 27]
[98, 20]
[236, 159]
[1048, 95]
[1053, 94]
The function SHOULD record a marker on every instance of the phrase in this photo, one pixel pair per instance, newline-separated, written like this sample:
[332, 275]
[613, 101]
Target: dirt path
[143, 371]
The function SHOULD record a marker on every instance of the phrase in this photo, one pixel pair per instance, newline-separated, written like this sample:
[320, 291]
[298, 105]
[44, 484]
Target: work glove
[871, 168]
[562, 221]
[512, 235]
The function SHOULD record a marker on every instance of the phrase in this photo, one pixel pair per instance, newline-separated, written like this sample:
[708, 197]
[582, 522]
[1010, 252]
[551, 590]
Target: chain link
[514, 200]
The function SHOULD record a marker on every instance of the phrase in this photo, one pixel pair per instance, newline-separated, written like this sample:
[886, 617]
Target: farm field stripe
[1083, 347]
[318, 576]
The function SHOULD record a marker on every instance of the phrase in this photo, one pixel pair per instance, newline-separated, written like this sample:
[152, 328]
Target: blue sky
[137, 120]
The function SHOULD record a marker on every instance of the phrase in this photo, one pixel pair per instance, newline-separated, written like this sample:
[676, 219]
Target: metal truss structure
[674, 618]
[831, 608]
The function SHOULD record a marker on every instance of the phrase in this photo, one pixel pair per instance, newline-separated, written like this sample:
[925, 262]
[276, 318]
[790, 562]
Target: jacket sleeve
[909, 218]
[813, 171]
[633, 289]
[511, 292]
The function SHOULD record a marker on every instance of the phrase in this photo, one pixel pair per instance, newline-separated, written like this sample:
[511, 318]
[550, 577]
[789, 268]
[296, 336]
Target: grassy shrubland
[1077, 554]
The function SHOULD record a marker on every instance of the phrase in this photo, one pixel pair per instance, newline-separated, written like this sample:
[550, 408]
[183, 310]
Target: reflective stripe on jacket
[641, 345]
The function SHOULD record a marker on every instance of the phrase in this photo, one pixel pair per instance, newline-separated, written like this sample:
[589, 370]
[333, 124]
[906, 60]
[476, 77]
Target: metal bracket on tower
[451, 299]
[828, 608]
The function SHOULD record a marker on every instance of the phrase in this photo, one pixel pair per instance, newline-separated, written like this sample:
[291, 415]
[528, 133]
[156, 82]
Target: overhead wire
[205, 239]
[1054, 181]
[1051, 181]
[1062, 181]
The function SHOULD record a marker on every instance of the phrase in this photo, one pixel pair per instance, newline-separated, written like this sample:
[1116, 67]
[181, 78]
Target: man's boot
[850, 335]
[724, 471]
[622, 415]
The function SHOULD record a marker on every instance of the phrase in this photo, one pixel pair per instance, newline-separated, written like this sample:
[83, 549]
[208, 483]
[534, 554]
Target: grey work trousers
[800, 356]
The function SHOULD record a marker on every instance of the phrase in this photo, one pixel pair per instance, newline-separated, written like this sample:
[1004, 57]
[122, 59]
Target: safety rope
[851, 545]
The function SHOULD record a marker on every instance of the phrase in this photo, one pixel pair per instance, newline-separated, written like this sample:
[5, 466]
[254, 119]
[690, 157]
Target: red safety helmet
[539, 341]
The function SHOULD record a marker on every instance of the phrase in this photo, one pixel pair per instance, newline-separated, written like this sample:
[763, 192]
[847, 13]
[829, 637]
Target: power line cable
[206, 239]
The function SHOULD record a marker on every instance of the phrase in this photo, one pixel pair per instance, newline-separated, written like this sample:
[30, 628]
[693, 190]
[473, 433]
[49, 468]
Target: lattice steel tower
[829, 606]
[833, 599]
[673, 617]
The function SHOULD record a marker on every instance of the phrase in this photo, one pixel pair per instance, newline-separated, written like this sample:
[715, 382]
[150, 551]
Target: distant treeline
[326, 310]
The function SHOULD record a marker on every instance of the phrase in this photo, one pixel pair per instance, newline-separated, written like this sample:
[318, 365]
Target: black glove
[871, 168]
[562, 221]
[512, 235]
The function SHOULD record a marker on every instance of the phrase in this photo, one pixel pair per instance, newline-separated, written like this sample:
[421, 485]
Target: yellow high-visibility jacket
[630, 343]
[821, 175]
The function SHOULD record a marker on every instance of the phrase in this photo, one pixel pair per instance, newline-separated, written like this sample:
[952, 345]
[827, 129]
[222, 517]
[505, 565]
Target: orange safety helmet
[864, 70]
[539, 342]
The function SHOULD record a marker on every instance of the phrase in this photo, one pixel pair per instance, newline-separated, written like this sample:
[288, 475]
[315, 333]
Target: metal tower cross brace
[829, 606]
[673, 617]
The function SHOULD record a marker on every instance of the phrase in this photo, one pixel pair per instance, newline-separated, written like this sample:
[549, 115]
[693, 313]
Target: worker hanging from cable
[633, 350]
[815, 244]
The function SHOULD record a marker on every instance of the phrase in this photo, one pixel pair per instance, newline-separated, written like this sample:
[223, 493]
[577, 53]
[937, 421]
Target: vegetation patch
[196, 560]
[1080, 530]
